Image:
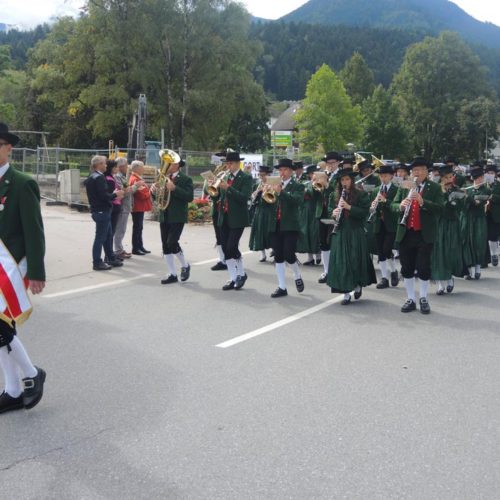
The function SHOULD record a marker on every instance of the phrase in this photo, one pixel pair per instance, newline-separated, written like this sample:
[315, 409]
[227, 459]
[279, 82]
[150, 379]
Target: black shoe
[384, 283]
[425, 308]
[469, 277]
[318, 262]
[101, 267]
[33, 389]
[322, 278]
[228, 286]
[408, 306]
[299, 284]
[494, 260]
[394, 278]
[220, 266]
[346, 302]
[440, 292]
[279, 292]
[8, 403]
[143, 250]
[169, 279]
[185, 273]
[138, 252]
[477, 276]
[240, 281]
[309, 263]
[450, 288]
[114, 263]
[357, 295]
[263, 259]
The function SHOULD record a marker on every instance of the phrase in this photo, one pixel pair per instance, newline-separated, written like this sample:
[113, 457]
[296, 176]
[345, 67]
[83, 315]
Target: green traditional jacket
[289, 202]
[177, 210]
[357, 215]
[452, 208]
[494, 205]
[237, 196]
[476, 209]
[21, 225]
[429, 211]
[385, 211]
[322, 209]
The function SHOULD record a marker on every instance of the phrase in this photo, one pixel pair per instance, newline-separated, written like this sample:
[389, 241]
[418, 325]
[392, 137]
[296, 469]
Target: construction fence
[47, 164]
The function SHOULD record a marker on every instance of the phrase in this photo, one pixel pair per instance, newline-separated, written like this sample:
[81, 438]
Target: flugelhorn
[319, 181]
[269, 194]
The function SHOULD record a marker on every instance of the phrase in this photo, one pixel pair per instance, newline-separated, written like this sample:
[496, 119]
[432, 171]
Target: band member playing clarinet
[234, 191]
[351, 267]
[385, 223]
[416, 233]
[173, 218]
[285, 226]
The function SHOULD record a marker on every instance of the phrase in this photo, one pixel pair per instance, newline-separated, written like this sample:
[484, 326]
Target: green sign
[281, 139]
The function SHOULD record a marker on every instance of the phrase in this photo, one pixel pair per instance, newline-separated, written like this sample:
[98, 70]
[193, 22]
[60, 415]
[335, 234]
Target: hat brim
[12, 139]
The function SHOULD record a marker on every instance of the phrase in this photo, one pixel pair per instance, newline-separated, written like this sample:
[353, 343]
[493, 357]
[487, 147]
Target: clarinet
[373, 210]
[406, 214]
[338, 219]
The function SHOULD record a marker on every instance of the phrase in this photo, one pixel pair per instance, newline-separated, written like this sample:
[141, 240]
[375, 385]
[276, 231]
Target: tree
[327, 117]
[384, 132]
[357, 78]
[438, 77]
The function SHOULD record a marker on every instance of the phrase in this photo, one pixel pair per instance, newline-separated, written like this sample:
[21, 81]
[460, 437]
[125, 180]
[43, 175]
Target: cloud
[29, 13]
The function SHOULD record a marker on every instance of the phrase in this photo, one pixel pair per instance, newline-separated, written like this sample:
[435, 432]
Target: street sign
[281, 139]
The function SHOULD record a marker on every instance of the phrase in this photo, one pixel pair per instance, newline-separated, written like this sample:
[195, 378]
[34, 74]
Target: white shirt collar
[4, 169]
[285, 183]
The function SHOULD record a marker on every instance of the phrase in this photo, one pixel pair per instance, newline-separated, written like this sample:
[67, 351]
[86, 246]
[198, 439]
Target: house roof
[286, 120]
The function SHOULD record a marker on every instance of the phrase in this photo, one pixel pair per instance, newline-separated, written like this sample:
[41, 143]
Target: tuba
[167, 158]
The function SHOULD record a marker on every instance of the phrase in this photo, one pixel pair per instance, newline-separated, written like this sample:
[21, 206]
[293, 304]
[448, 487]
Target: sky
[29, 13]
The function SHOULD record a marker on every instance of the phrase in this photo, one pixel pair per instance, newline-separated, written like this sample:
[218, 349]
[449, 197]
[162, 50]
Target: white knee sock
[493, 247]
[383, 268]
[410, 288]
[221, 254]
[295, 270]
[280, 272]
[423, 287]
[231, 267]
[182, 259]
[478, 268]
[22, 359]
[240, 268]
[310, 257]
[318, 256]
[169, 259]
[13, 385]
[357, 288]
[392, 264]
[325, 257]
[471, 271]
[395, 253]
[440, 285]
[451, 282]
[263, 254]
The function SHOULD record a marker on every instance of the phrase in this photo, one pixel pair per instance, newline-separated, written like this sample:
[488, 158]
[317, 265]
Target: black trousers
[284, 245]
[170, 235]
[230, 240]
[137, 226]
[324, 237]
[218, 239]
[415, 255]
[385, 243]
[493, 228]
[6, 333]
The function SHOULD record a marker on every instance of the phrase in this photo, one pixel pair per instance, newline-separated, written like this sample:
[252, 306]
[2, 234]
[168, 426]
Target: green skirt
[259, 234]
[476, 239]
[309, 230]
[447, 254]
[350, 261]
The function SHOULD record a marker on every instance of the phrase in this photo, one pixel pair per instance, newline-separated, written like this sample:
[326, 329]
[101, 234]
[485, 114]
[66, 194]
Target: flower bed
[199, 210]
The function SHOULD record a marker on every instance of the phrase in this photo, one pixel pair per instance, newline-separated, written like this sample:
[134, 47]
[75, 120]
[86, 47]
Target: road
[145, 399]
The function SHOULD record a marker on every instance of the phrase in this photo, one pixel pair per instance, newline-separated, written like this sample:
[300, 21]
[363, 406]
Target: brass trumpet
[213, 190]
[269, 194]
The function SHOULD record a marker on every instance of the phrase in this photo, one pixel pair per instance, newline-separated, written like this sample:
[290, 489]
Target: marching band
[341, 213]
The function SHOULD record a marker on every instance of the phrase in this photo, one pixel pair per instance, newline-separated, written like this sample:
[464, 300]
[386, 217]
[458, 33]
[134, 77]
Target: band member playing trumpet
[447, 255]
[173, 215]
[417, 231]
[234, 191]
[475, 253]
[259, 235]
[309, 224]
[333, 165]
[493, 212]
[351, 266]
[385, 223]
[285, 226]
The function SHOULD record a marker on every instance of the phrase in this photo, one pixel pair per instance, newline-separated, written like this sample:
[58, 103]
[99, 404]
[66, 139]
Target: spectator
[111, 170]
[100, 201]
[142, 203]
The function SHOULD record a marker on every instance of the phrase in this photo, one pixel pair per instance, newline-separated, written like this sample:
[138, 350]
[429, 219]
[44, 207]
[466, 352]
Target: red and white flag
[15, 304]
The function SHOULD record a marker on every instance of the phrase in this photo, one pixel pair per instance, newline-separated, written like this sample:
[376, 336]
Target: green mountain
[432, 16]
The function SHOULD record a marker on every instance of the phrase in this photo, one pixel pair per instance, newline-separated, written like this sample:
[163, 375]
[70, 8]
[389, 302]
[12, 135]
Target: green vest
[429, 211]
[237, 196]
[21, 225]
[177, 210]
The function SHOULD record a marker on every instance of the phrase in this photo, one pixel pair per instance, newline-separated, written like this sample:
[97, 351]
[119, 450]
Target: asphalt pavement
[146, 398]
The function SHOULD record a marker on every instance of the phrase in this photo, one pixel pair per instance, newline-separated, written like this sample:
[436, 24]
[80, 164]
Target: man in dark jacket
[100, 206]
